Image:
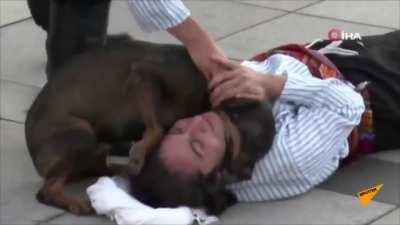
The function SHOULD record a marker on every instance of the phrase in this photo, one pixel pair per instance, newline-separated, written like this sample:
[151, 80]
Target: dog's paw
[81, 208]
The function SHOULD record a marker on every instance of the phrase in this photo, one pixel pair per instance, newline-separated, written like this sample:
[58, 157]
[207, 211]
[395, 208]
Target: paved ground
[242, 29]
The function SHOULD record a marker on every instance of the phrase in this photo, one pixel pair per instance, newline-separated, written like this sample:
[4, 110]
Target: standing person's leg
[73, 26]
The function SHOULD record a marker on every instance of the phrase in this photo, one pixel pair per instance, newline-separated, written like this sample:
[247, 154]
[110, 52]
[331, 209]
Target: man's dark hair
[157, 186]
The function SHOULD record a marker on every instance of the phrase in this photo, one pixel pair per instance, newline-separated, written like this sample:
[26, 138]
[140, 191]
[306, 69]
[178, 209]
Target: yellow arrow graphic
[367, 195]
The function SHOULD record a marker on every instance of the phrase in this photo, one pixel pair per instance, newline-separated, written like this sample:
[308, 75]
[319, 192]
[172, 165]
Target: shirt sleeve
[154, 15]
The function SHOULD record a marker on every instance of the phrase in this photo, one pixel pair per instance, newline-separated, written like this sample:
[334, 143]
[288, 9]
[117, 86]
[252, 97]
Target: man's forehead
[177, 156]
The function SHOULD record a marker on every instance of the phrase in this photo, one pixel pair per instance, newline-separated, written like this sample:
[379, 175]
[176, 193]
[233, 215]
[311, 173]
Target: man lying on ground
[320, 93]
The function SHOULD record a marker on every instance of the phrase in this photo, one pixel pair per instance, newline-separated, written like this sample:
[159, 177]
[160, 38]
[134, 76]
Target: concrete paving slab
[19, 181]
[288, 29]
[288, 5]
[389, 156]
[381, 13]
[208, 13]
[15, 100]
[13, 10]
[391, 218]
[365, 173]
[80, 220]
[316, 207]
[224, 17]
[23, 55]
[121, 20]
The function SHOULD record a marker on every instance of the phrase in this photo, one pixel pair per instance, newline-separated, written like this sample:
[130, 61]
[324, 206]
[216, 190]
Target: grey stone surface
[81, 220]
[316, 207]
[365, 173]
[392, 218]
[13, 10]
[218, 17]
[22, 51]
[288, 5]
[19, 181]
[389, 156]
[382, 13]
[288, 29]
[224, 17]
[15, 100]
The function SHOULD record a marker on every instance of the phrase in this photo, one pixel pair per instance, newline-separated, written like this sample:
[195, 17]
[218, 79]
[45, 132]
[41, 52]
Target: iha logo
[367, 195]
[336, 34]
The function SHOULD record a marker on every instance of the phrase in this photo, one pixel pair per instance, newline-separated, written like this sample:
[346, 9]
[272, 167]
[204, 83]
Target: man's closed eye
[197, 148]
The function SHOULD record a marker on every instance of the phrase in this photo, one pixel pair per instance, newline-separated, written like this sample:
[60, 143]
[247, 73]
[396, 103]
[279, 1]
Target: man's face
[194, 145]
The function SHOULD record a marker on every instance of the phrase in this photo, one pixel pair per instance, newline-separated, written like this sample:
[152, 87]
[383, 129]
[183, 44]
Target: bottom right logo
[365, 196]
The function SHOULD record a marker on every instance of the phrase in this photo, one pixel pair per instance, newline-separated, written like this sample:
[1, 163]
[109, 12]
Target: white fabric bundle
[109, 196]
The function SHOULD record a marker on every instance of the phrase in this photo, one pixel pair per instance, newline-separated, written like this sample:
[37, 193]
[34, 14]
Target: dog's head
[256, 126]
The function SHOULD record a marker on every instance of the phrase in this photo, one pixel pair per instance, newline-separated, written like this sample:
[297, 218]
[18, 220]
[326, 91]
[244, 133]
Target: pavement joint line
[12, 121]
[296, 11]
[50, 218]
[251, 26]
[15, 22]
[283, 10]
[20, 83]
[343, 20]
[383, 215]
[261, 6]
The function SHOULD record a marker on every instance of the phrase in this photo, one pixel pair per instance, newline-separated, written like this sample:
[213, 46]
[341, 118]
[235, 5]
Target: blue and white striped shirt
[313, 119]
[154, 15]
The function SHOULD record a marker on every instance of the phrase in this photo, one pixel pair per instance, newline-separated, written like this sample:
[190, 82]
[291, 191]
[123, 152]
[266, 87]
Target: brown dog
[126, 91]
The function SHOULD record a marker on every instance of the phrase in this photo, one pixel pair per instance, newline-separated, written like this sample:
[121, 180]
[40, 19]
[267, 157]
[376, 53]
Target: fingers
[221, 78]
[226, 86]
[233, 92]
[225, 63]
[237, 89]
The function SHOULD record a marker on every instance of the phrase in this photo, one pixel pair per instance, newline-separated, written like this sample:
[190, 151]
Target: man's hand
[241, 82]
[236, 82]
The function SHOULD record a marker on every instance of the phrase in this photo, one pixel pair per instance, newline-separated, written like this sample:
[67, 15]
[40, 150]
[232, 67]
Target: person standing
[74, 26]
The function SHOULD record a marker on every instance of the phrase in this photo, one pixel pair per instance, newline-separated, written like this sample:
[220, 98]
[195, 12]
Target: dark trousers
[72, 26]
[379, 63]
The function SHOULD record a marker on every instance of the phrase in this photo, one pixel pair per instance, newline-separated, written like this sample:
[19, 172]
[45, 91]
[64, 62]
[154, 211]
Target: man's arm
[174, 17]
[158, 15]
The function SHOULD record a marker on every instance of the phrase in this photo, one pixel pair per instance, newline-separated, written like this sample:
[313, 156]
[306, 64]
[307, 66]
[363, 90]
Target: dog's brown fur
[128, 90]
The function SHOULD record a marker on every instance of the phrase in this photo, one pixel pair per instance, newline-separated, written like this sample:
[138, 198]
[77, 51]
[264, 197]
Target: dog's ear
[217, 199]
[235, 103]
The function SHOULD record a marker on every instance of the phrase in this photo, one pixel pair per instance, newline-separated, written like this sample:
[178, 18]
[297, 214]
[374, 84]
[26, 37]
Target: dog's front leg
[137, 154]
[146, 93]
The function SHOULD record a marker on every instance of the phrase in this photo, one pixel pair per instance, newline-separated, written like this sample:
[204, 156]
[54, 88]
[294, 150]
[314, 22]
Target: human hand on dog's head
[240, 82]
